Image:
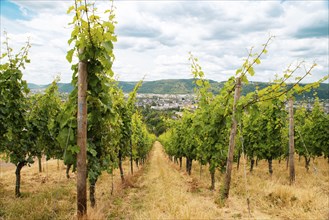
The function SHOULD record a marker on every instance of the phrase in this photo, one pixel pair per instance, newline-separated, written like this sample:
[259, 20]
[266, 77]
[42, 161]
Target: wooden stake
[131, 158]
[291, 142]
[82, 141]
[229, 163]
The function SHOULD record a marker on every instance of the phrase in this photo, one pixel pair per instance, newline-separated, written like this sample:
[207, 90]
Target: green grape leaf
[69, 55]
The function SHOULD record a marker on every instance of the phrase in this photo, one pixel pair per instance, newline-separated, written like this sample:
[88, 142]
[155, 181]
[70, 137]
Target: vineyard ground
[159, 190]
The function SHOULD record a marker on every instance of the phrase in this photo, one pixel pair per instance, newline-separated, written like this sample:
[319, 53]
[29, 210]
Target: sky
[155, 37]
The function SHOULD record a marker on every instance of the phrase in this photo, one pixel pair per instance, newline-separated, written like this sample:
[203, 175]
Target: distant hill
[322, 91]
[165, 86]
[65, 87]
[35, 86]
[62, 87]
[185, 86]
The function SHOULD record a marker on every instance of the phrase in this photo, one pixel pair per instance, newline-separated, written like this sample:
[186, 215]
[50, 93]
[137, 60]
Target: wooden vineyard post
[291, 142]
[227, 182]
[82, 141]
[131, 158]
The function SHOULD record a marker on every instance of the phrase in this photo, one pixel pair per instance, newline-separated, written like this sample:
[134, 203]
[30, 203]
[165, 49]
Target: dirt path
[164, 194]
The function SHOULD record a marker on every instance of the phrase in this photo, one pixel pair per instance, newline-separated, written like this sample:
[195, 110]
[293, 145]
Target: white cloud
[48, 34]
[154, 37]
[38, 6]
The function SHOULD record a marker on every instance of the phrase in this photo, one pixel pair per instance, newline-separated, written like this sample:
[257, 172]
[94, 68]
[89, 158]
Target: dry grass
[159, 190]
[308, 198]
[46, 195]
[50, 195]
[166, 195]
[273, 197]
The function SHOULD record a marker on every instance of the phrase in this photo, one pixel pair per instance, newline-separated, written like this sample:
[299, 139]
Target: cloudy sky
[154, 37]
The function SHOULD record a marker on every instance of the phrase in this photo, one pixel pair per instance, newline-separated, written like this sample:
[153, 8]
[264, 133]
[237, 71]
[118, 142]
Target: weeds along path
[163, 193]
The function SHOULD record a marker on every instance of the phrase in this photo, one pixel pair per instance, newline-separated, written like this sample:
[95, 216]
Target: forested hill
[185, 86]
[63, 87]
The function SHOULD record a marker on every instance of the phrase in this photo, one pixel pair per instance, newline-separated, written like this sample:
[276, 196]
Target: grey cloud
[263, 25]
[168, 41]
[142, 48]
[136, 44]
[308, 51]
[266, 68]
[181, 10]
[231, 30]
[275, 11]
[138, 31]
[35, 44]
[220, 34]
[123, 45]
[318, 29]
[38, 6]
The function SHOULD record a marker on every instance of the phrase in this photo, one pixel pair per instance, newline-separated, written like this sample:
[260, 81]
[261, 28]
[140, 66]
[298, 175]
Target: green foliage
[155, 120]
[189, 146]
[264, 130]
[66, 126]
[14, 139]
[41, 122]
[202, 135]
[141, 139]
[171, 140]
[312, 135]
[93, 43]
[212, 121]
[110, 117]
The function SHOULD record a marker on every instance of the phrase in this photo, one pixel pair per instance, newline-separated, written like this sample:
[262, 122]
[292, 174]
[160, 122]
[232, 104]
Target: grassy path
[164, 193]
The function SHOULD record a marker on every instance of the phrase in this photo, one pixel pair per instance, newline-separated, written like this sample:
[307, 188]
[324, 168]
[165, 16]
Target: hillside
[63, 87]
[165, 86]
[186, 86]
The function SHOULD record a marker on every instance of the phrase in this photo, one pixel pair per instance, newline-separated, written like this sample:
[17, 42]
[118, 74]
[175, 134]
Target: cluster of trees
[32, 126]
[312, 133]
[155, 120]
[258, 122]
[265, 132]
[202, 135]
[39, 125]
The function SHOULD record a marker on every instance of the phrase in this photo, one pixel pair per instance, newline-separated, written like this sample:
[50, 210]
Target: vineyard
[162, 190]
[235, 156]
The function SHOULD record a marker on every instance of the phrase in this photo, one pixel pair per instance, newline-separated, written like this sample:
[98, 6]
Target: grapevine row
[261, 118]
[44, 125]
